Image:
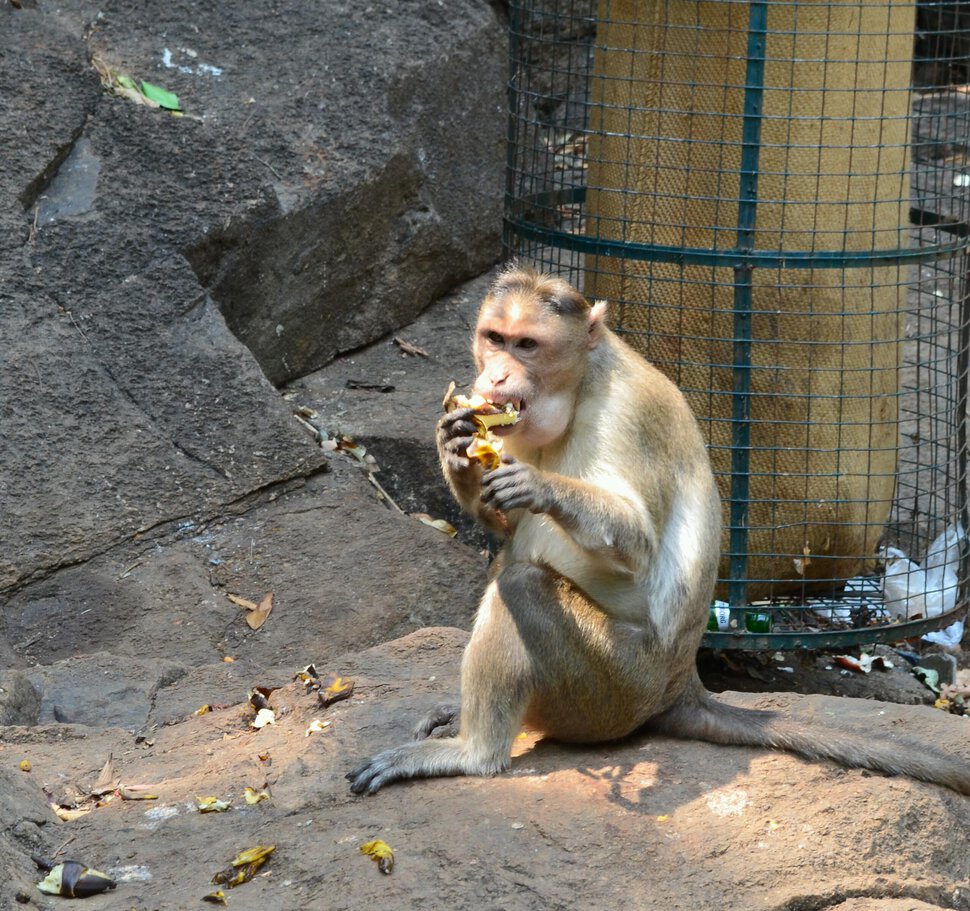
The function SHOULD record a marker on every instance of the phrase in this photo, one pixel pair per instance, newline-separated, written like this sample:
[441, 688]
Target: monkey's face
[533, 357]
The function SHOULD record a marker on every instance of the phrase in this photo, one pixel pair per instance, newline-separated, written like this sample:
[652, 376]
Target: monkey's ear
[594, 324]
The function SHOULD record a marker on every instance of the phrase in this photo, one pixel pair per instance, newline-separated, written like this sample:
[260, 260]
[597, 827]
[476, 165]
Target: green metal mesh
[774, 197]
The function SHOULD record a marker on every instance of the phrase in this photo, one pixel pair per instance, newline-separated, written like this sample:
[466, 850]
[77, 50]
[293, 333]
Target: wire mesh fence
[774, 197]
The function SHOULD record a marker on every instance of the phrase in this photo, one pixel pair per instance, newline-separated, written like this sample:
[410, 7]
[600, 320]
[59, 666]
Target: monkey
[594, 609]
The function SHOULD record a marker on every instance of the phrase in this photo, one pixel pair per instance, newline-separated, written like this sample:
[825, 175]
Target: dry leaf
[25, 765]
[381, 852]
[107, 781]
[216, 898]
[245, 603]
[316, 726]
[203, 709]
[257, 617]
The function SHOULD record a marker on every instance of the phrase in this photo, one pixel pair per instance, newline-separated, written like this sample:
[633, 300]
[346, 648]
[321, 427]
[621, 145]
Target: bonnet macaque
[595, 608]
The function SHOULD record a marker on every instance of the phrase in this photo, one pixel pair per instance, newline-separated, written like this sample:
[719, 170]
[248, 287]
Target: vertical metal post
[743, 302]
[961, 417]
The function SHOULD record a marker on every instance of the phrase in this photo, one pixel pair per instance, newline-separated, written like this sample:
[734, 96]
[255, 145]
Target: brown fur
[591, 622]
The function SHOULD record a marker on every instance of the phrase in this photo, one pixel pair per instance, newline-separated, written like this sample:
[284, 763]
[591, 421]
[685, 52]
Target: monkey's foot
[412, 760]
[441, 721]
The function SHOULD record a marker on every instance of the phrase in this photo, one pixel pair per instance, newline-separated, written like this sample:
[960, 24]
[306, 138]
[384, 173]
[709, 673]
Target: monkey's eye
[495, 338]
[528, 344]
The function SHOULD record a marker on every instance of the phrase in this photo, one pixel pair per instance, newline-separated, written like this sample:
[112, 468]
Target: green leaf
[168, 100]
[125, 81]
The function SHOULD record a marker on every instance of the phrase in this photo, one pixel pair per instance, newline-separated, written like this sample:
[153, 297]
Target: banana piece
[485, 447]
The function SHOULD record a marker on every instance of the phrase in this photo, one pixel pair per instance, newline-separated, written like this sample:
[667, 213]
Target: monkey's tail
[699, 716]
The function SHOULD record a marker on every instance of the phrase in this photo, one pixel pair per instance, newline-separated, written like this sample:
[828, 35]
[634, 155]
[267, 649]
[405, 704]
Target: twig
[266, 164]
[383, 492]
[60, 850]
[32, 237]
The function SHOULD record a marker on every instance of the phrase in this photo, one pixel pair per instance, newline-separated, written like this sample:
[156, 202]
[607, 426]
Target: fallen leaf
[409, 347]
[25, 765]
[212, 805]
[315, 726]
[203, 709]
[240, 601]
[334, 689]
[108, 780]
[228, 659]
[162, 97]
[256, 618]
[381, 852]
[216, 898]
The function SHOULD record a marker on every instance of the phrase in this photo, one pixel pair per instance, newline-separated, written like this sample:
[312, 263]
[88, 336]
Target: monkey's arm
[612, 524]
[464, 477]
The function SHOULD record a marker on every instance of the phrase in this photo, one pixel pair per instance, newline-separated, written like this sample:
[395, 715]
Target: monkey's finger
[458, 444]
[507, 496]
[461, 416]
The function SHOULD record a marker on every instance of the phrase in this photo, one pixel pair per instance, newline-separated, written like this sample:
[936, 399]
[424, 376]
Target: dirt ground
[648, 823]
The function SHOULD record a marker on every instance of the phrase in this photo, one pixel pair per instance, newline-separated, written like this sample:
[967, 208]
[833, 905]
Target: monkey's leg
[496, 686]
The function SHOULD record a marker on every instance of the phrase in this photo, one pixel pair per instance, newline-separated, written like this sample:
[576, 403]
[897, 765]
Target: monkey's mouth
[520, 407]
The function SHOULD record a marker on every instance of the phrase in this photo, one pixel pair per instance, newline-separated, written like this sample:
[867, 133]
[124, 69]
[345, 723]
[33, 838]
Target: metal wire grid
[804, 173]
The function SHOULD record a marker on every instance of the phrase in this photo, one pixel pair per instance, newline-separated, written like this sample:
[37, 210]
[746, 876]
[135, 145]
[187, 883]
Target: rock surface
[647, 823]
[337, 167]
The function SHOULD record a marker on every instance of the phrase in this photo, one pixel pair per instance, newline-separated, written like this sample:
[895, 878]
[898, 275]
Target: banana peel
[72, 879]
[485, 448]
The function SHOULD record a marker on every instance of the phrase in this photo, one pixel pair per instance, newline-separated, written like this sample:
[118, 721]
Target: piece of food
[382, 853]
[72, 879]
[486, 451]
[485, 447]
[487, 415]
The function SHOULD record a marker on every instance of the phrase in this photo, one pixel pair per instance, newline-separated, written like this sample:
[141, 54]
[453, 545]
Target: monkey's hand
[516, 485]
[454, 436]
[442, 721]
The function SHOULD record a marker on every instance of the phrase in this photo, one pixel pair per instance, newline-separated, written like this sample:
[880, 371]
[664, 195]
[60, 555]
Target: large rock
[336, 169]
[374, 137]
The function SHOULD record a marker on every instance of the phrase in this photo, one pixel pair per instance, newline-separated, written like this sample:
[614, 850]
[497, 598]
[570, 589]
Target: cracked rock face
[337, 168]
